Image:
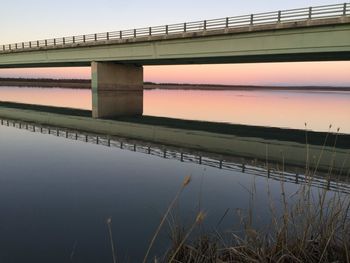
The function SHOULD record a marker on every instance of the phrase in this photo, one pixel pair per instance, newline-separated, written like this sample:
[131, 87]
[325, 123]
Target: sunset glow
[277, 74]
[121, 141]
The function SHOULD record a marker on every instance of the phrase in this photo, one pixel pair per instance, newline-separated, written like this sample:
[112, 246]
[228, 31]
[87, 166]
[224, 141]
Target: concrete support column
[117, 90]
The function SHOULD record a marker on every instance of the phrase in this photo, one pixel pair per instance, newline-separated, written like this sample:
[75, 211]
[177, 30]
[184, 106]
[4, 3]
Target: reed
[305, 231]
[109, 225]
[313, 225]
[186, 181]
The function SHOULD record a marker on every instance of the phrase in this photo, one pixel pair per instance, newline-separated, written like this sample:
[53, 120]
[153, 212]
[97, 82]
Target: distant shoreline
[86, 84]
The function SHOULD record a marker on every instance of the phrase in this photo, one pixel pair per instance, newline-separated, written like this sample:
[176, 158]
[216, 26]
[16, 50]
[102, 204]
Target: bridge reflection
[333, 178]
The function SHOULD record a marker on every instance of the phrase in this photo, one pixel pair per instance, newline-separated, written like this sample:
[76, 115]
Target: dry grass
[186, 181]
[312, 225]
[315, 227]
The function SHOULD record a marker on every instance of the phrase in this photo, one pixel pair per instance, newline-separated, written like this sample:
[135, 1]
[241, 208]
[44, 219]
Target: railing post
[30, 44]
[185, 27]
[227, 22]
[23, 45]
[37, 43]
[205, 25]
[279, 17]
[344, 9]
[251, 19]
[73, 39]
[95, 37]
[150, 31]
[84, 38]
[45, 42]
[310, 12]
[120, 34]
[166, 29]
[63, 41]
[107, 35]
[54, 41]
[16, 46]
[134, 33]
[3, 47]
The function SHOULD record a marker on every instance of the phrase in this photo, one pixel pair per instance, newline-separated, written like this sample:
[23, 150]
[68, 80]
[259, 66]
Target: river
[56, 194]
[288, 109]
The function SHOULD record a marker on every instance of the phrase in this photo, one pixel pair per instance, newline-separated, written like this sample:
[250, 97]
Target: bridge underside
[297, 57]
[117, 74]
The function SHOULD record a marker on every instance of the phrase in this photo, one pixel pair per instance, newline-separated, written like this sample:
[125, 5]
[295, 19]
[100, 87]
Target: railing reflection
[332, 181]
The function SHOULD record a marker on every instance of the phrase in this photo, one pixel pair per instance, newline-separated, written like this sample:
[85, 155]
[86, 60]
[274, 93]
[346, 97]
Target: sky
[38, 19]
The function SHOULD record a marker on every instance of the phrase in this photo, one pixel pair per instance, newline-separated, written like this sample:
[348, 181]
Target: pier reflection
[334, 177]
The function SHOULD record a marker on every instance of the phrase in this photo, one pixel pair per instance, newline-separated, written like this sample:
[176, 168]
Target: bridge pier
[117, 90]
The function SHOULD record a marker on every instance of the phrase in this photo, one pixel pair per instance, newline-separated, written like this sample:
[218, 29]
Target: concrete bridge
[319, 33]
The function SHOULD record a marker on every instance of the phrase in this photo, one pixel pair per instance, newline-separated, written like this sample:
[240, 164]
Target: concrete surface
[117, 90]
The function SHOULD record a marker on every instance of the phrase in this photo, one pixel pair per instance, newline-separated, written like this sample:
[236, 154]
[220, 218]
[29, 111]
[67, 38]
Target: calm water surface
[266, 108]
[56, 194]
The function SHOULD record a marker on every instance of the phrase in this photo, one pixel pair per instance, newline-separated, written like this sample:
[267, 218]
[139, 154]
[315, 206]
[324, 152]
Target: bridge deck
[189, 35]
[294, 18]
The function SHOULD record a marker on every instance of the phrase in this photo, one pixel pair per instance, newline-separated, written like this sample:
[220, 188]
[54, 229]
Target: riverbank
[86, 84]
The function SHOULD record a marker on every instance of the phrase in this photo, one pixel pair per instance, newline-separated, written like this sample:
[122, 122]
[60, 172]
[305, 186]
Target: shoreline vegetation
[86, 84]
[312, 225]
[307, 225]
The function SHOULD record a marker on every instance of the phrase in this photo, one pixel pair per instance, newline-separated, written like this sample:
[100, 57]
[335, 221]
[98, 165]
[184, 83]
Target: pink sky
[301, 73]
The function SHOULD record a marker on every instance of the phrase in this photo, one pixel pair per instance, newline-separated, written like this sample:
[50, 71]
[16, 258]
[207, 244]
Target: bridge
[116, 58]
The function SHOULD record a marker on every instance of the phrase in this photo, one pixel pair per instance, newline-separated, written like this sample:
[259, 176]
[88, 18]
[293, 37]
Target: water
[290, 109]
[56, 194]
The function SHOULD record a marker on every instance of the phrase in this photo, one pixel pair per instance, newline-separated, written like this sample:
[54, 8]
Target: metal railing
[337, 182]
[282, 16]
